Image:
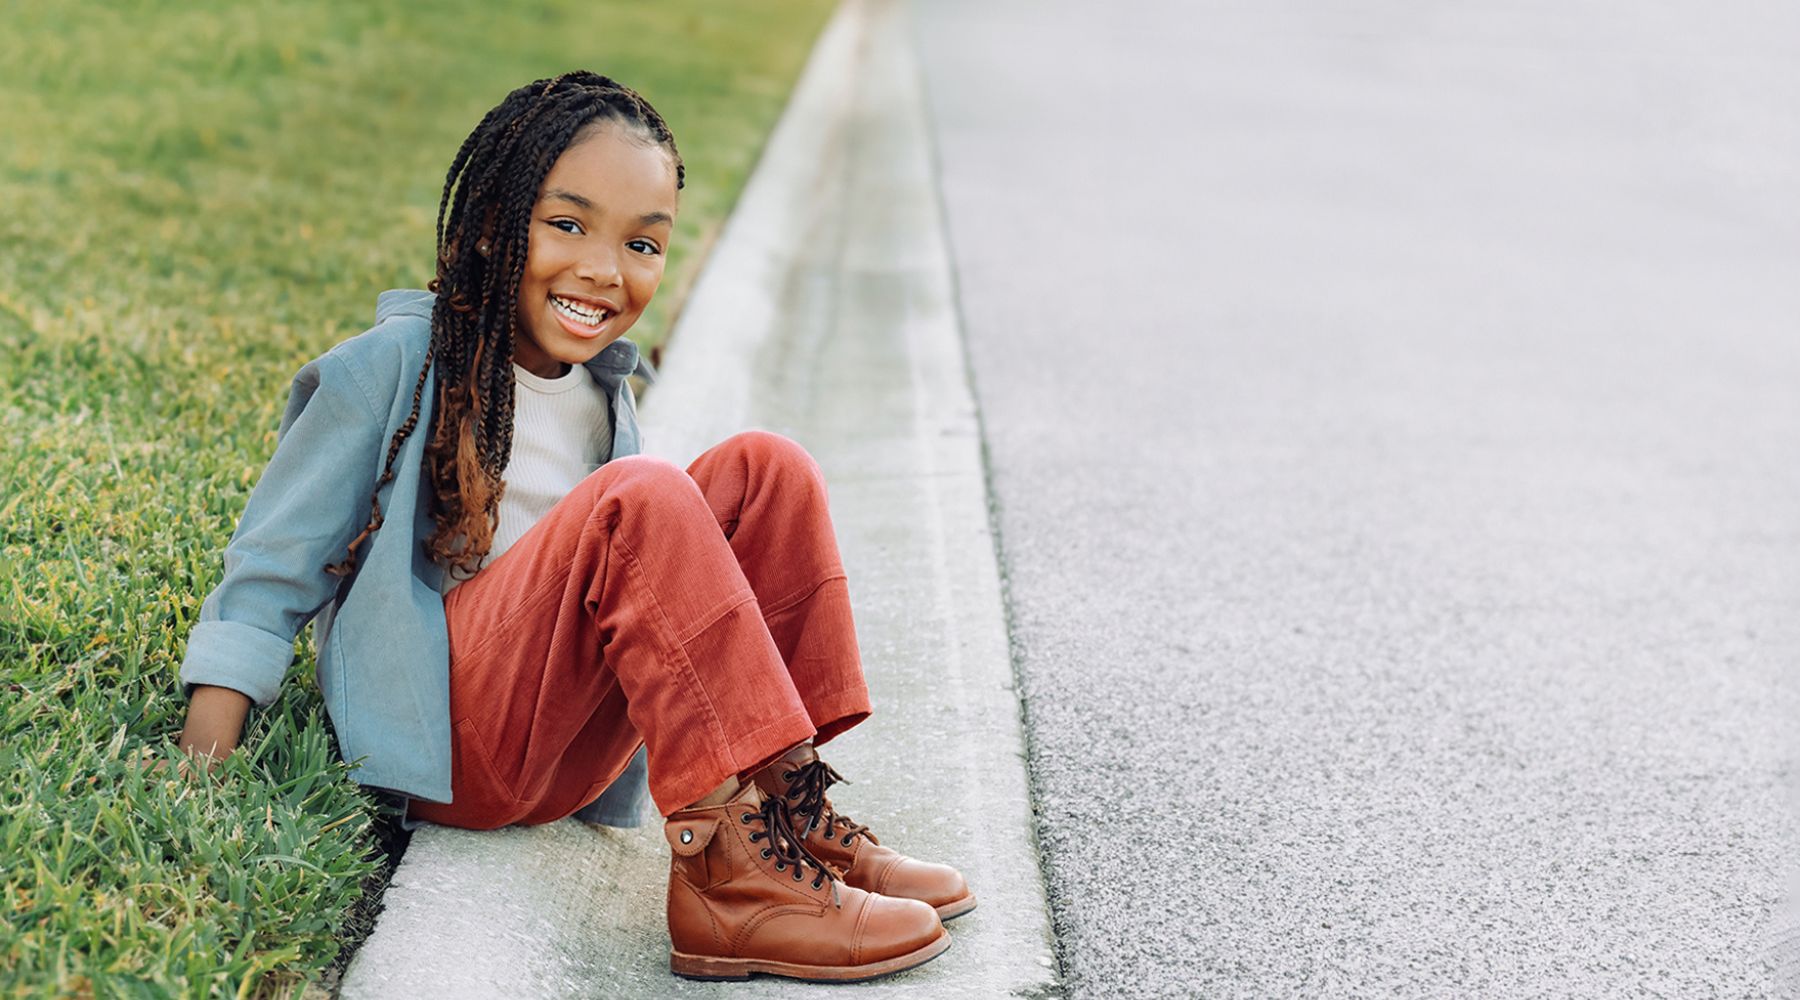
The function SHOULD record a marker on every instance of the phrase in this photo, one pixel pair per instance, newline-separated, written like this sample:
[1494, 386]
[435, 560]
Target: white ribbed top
[562, 431]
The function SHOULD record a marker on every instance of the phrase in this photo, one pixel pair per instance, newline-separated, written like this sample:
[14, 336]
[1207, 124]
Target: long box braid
[483, 228]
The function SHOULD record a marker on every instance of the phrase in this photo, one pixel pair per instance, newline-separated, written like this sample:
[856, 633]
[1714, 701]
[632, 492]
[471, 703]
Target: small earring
[482, 248]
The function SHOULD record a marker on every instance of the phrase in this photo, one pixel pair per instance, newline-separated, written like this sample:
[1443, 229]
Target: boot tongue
[805, 792]
[748, 794]
[769, 779]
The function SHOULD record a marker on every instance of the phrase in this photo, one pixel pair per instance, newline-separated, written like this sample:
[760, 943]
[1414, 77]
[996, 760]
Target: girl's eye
[645, 247]
[571, 225]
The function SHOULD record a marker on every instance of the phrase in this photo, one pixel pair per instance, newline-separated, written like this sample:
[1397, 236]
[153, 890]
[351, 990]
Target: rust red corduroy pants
[703, 614]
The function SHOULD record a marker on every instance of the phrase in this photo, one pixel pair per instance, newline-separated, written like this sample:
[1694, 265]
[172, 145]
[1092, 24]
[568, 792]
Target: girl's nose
[599, 266]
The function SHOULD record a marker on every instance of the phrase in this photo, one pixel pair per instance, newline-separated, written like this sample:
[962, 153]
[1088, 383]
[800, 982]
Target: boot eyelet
[747, 817]
[797, 873]
[767, 852]
[788, 775]
[846, 841]
[781, 866]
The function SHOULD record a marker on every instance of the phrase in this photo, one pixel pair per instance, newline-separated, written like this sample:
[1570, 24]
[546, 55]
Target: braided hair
[483, 227]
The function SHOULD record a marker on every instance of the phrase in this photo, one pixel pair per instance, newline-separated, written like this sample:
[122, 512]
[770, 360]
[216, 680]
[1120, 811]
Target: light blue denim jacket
[384, 651]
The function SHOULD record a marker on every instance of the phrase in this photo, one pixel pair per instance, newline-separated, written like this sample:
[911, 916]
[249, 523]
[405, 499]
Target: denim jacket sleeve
[312, 499]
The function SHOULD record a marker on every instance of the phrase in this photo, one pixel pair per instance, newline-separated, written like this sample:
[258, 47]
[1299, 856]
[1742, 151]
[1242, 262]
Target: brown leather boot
[745, 897]
[800, 778]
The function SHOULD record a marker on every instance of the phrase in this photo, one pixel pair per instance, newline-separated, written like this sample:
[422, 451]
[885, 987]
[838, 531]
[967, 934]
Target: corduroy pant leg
[621, 617]
[769, 497]
[630, 613]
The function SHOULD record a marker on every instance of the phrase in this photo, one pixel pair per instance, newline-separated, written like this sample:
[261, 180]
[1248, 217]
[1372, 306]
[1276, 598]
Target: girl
[549, 600]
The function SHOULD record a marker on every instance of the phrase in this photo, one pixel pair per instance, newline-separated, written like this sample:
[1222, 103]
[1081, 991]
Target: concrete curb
[831, 287]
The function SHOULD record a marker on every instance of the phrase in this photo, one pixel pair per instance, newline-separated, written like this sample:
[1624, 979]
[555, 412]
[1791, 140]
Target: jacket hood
[617, 359]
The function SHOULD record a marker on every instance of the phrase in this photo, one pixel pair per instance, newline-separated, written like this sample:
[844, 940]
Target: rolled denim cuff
[622, 804]
[237, 656]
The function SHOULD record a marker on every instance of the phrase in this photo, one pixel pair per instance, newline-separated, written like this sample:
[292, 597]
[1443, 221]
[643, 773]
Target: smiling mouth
[585, 315]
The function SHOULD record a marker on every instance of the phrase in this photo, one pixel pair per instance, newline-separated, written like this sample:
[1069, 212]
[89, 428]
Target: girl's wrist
[215, 721]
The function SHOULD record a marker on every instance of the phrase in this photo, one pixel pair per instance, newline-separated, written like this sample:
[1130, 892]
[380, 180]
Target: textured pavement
[825, 312]
[1391, 412]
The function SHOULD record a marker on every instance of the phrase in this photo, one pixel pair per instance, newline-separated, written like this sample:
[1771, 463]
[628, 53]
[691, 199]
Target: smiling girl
[546, 600]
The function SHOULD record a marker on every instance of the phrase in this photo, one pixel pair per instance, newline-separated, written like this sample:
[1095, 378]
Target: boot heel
[709, 969]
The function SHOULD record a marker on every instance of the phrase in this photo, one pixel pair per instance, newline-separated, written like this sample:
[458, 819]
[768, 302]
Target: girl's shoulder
[389, 353]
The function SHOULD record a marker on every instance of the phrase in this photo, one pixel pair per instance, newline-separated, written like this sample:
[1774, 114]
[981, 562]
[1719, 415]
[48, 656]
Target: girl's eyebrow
[647, 219]
[569, 196]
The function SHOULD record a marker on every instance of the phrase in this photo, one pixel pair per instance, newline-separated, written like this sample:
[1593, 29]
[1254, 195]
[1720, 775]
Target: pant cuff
[745, 756]
[838, 712]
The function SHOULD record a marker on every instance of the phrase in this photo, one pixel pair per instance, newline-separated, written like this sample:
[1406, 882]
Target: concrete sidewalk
[826, 314]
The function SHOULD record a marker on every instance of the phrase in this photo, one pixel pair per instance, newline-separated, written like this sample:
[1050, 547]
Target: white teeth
[592, 317]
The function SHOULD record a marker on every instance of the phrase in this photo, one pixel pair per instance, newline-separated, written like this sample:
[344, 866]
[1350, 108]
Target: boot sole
[956, 907]
[711, 969]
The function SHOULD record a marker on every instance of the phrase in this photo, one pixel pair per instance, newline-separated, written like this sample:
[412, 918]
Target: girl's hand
[215, 722]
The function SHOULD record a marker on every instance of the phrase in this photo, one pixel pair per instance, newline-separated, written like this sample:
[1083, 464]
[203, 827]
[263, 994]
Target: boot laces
[786, 846]
[807, 784]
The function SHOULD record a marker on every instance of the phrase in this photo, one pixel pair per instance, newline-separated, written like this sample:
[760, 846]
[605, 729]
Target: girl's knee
[769, 450]
[638, 475]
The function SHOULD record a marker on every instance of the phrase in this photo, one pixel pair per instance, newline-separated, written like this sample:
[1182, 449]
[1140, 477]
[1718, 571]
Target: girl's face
[598, 234]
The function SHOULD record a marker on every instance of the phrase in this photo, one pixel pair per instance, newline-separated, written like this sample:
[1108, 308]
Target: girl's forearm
[215, 721]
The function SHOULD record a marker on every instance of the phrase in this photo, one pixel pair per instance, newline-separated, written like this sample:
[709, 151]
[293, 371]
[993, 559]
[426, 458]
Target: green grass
[195, 199]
